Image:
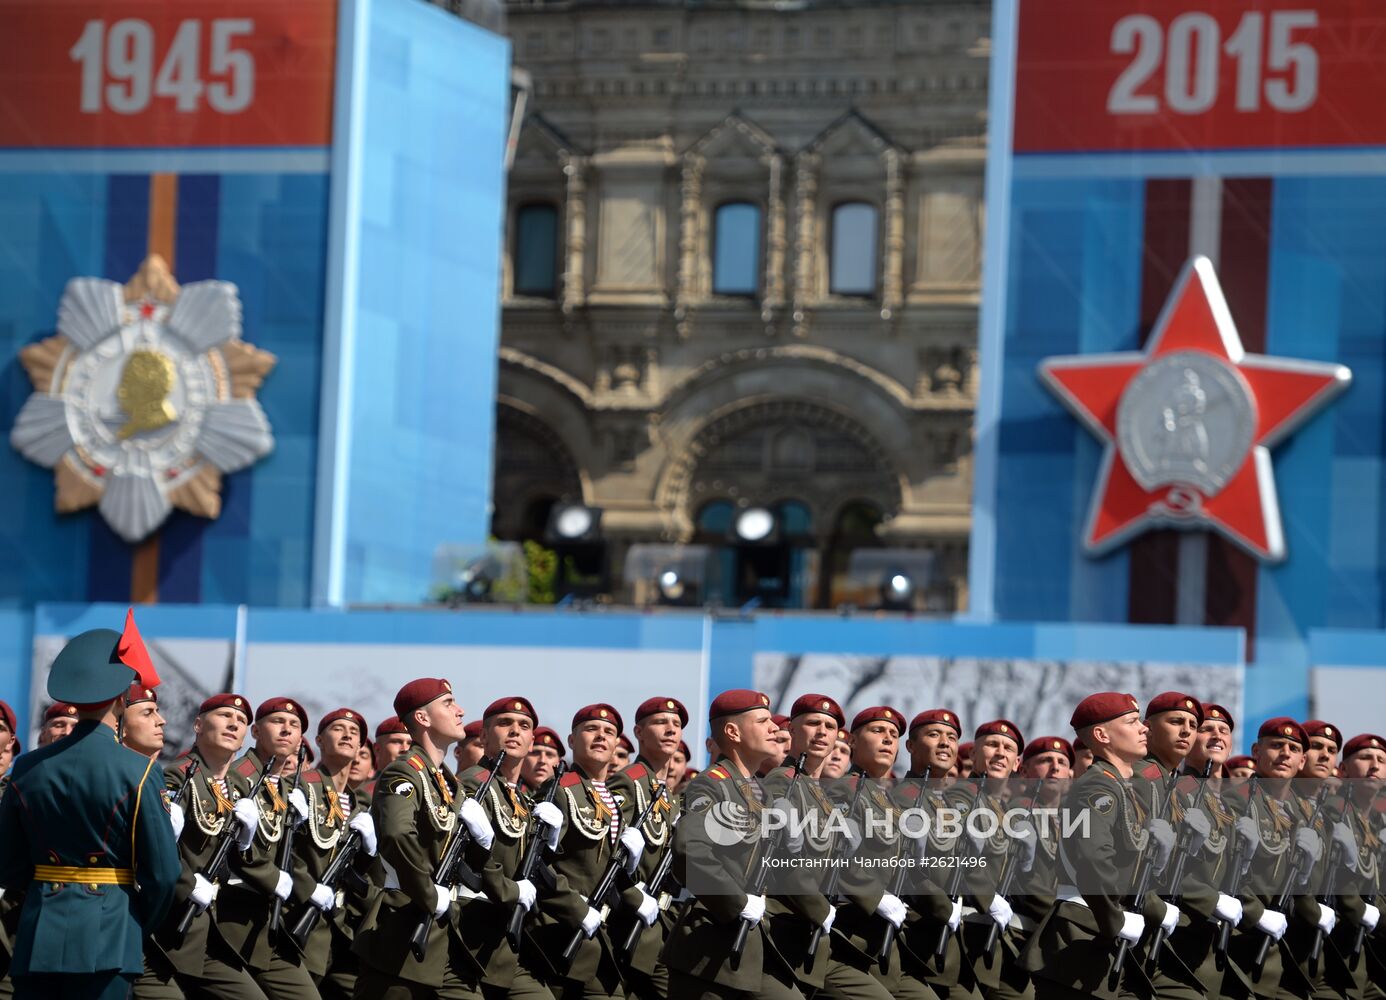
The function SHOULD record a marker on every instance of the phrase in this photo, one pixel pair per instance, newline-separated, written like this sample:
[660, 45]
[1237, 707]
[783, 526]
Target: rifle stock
[286, 849]
[533, 851]
[757, 886]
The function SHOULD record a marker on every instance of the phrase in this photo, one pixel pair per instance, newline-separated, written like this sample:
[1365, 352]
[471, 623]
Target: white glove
[1229, 908]
[892, 908]
[365, 826]
[441, 901]
[955, 917]
[754, 909]
[591, 920]
[649, 908]
[634, 843]
[1163, 835]
[550, 817]
[1311, 846]
[1328, 918]
[474, 815]
[247, 814]
[176, 817]
[299, 801]
[528, 894]
[204, 893]
[1251, 839]
[284, 885]
[1196, 822]
[1171, 918]
[1132, 927]
[1272, 922]
[1370, 917]
[1029, 840]
[1000, 911]
[829, 920]
[323, 898]
[2, 892]
[1347, 845]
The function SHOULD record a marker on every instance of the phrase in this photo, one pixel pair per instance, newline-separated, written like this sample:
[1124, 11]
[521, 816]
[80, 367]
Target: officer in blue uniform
[85, 834]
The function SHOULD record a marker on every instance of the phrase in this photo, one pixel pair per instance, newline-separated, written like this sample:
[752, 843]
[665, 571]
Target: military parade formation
[285, 857]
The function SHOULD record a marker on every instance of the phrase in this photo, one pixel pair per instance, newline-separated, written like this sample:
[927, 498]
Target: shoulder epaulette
[312, 777]
[909, 791]
[850, 781]
[1153, 772]
[717, 773]
[246, 768]
[481, 775]
[184, 755]
[569, 779]
[636, 771]
[1243, 790]
[789, 772]
[415, 763]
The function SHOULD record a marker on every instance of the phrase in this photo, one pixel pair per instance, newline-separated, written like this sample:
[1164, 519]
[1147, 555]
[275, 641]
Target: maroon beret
[136, 694]
[781, 721]
[7, 716]
[346, 715]
[232, 701]
[736, 701]
[1283, 725]
[879, 713]
[389, 726]
[516, 704]
[683, 749]
[1048, 744]
[624, 740]
[937, 716]
[1317, 727]
[965, 749]
[546, 737]
[818, 703]
[60, 710]
[1241, 760]
[1175, 701]
[1363, 741]
[1000, 727]
[283, 705]
[1102, 707]
[471, 731]
[1212, 711]
[653, 706]
[599, 712]
[416, 694]
[1078, 745]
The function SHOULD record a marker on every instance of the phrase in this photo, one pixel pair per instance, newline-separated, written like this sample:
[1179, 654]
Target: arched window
[536, 250]
[853, 261]
[736, 249]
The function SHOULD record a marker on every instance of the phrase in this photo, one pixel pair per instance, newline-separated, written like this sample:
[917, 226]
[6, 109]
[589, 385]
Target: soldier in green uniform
[202, 962]
[469, 750]
[542, 760]
[597, 816]
[335, 812]
[717, 847]
[1073, 951]
[83, 828]
[1364, 775]
[391, 742]
[416, 813]
[59, 719]
[141, 724]
[496, 969]
[933, 747]
[799, 907]
[659, 726]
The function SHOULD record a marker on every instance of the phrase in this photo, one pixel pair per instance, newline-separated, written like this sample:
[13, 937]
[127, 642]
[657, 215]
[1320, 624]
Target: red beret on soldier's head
[1363, 741]
[60, 710]
[1174, 701]
[472, 731]
[546, 737]
[1078, 745]
[227, 700]
[781, 721]
[8, 717]
[416, 694]
[1102, 707]
[654, 706]
[821, 704]
[736, 701]
[287, 705]
[683, 749]
[1321, 729]
[878, 713]
[1000, 727]
[600, 712]
[348, 715]
[390, 725]
[138, 693]
[515, 704]
[1218, 714]
[1283, 727]
[624, 741]
[1048, 744]
[1241, 760]
[937, 717]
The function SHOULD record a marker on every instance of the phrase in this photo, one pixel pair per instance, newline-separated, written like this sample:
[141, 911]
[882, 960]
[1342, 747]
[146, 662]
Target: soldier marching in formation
[1134, 857]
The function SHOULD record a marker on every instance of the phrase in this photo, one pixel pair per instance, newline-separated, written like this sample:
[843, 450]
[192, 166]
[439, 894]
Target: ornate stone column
[775, 236]
[893, 270]
[575, 253]
[806, 235]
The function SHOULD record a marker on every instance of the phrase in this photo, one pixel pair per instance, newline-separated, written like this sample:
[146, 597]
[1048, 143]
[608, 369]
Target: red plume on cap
[132, 652]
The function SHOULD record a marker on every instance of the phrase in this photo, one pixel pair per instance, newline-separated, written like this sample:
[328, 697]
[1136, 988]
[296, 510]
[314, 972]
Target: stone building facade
[743, 262]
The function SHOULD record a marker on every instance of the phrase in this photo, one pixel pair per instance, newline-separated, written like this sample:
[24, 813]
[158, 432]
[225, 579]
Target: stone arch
[531, 464]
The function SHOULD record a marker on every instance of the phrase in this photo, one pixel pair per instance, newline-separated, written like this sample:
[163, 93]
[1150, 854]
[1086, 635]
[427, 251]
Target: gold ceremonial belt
[84, 876]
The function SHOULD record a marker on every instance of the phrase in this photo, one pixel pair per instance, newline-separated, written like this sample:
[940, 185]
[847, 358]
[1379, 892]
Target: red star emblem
[1189, 422]
[146, 310]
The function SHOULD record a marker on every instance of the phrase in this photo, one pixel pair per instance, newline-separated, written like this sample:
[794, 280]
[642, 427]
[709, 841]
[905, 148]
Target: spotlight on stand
[888, 579]
[897, 590]
[755, 526]
[666, 574]
[479, 574]
[573, 524]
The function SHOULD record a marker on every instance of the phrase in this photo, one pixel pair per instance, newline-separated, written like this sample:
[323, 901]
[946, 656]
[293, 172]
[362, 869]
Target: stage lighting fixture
[572, 523]
[671, 585]
[754, 524]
